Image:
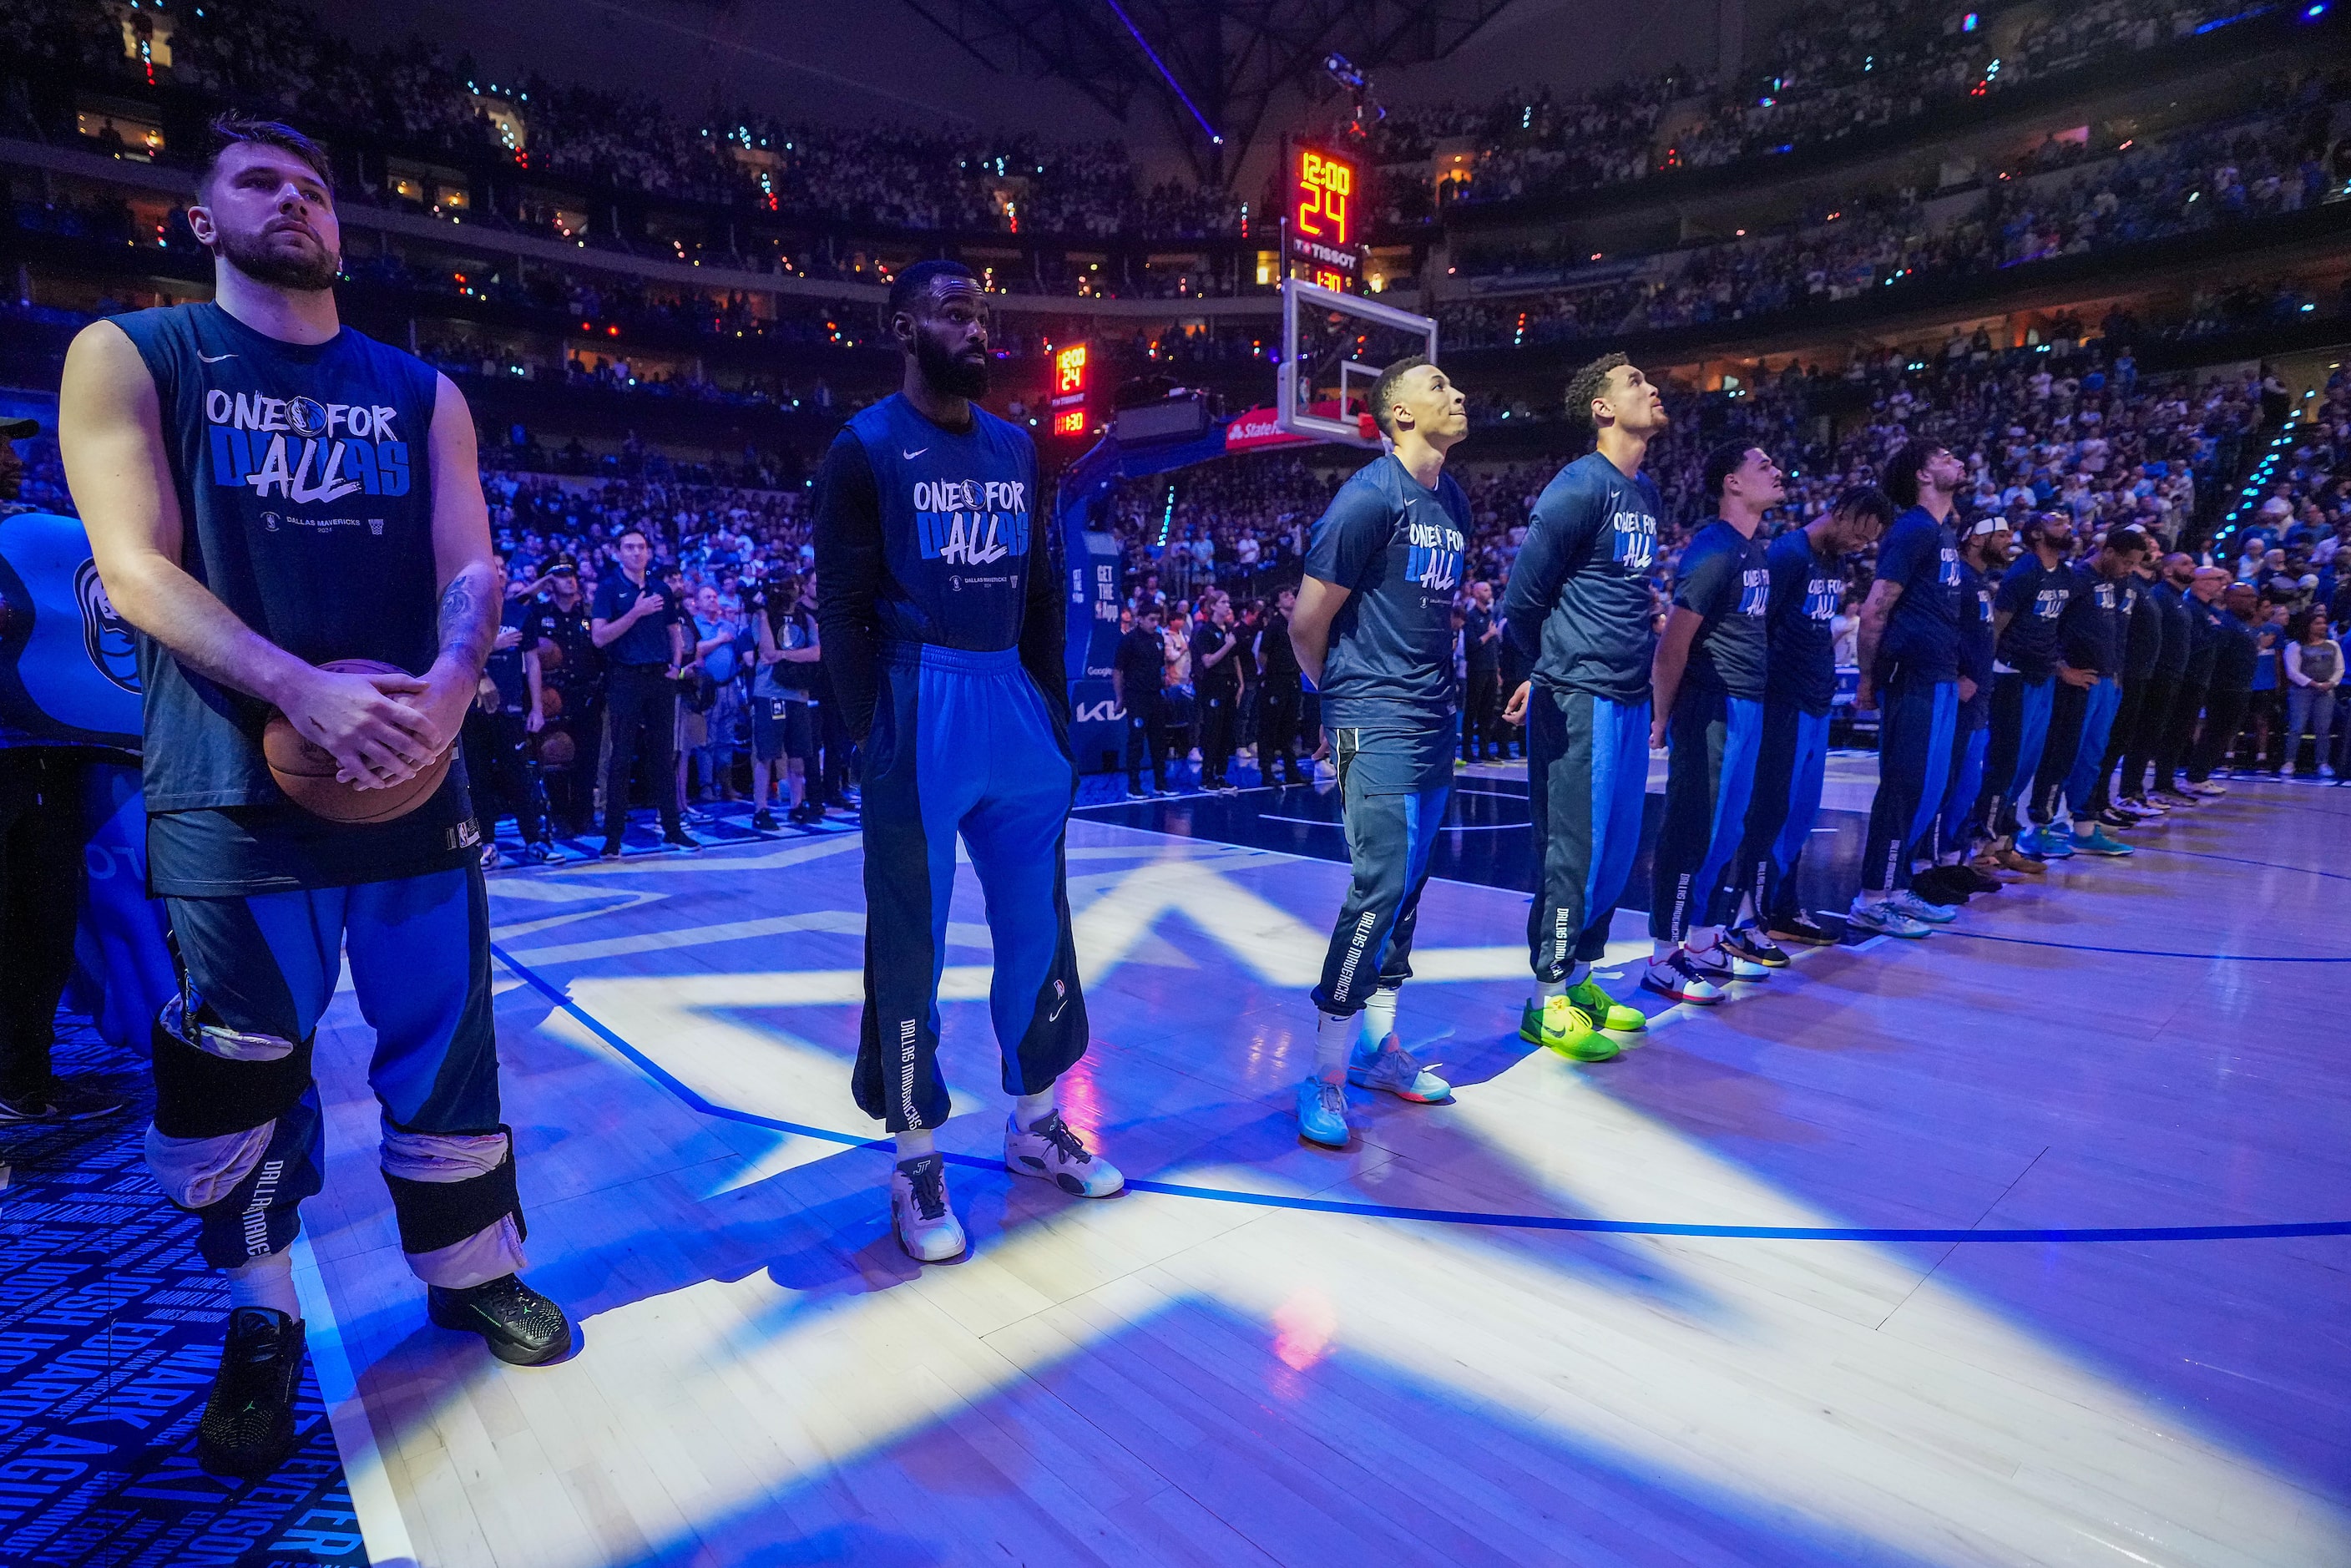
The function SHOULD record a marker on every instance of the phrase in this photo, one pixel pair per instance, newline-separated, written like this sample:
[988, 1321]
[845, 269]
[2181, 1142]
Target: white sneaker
[1051, 1150]
[2327, 770]
[1902, 901]
[920, 1213]
[1720, 962]
[1873, 915]
[1676, 975]
[2205, 787]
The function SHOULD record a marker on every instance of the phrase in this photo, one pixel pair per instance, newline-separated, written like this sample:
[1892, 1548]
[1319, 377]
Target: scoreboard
[1322, 218]
[1066, 396]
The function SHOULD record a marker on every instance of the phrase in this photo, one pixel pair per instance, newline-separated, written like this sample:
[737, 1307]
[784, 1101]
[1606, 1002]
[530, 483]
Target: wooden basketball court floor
[2025, 1244]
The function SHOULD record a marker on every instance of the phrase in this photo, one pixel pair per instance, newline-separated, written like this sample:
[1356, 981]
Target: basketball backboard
[1333, 346]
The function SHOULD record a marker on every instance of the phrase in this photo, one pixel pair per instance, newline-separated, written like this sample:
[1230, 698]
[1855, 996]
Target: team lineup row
[947, 664]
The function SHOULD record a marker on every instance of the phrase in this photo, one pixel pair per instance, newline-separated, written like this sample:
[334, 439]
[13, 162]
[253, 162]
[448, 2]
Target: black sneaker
[681, 840]
[522, 1326]
[808, 814]
[1802, 929]
[1752, 946]
[248, 1423]
[1975, 880]
[763, 821]
[2114, 818]
[611, 852]
[59, 1101]
[1936, 885]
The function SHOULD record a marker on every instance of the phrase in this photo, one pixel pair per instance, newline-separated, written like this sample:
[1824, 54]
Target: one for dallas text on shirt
[1397, 546]
[1724, 579]
[1578, 601]
[923, 535]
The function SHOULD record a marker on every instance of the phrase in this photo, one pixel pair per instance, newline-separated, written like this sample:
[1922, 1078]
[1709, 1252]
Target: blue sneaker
[2047, 845]
[2096, 842]
[1322, 1113]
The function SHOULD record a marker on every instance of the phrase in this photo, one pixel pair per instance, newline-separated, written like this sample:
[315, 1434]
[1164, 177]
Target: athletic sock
[265, 1282]
[1544, 989]
[915, 1143]
[1028, 1110]
[1578, 972]
[1659, 951]
[1334, 1042]
[1380, 1016]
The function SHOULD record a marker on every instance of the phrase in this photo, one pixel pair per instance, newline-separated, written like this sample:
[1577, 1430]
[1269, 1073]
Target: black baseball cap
[18, 429]
[562, 564]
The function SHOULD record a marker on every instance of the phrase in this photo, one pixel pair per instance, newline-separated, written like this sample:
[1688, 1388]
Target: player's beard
[251, 254]
[947, 372]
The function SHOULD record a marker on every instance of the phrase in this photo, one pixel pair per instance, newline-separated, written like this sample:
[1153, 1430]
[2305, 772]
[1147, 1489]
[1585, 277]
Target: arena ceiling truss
[1215, 67]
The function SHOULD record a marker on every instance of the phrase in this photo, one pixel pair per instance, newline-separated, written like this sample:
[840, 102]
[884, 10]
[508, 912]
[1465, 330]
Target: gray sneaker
[1885, 920]
[1393, 1069]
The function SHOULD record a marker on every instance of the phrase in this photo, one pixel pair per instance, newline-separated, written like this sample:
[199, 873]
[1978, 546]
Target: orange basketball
[556, 749]
[307, 772]
[550, 655]
[551, 703]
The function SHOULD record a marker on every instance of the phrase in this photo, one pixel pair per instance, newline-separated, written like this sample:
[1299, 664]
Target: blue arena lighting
[1164, 74]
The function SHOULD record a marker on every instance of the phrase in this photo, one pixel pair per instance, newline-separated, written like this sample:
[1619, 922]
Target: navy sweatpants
[1394, 786]
[1913, 764]
[238, 1139]
[1955, 825]
[1694, 879]
[1587, 775]
[2019, 730]
[2079, 720]
[964, 746]
[1792, 763]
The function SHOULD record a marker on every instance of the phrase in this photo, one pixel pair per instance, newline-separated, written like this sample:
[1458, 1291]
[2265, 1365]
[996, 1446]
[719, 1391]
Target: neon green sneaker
[1611, 1013]
[1558, 1024]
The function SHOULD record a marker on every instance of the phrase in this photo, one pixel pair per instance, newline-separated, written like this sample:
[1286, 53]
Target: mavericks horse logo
[104, 633]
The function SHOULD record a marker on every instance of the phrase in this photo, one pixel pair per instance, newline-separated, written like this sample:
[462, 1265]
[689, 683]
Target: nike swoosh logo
[212, 359]
[1055, 1016]
[918, 452]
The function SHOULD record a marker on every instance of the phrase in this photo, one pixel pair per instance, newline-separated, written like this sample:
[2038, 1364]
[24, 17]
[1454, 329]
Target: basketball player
[2026, 608]
[266, 490]
[2205, 586]
[2142, 651]
[1951, 880]
[1807, 568]
[1709, 678]
[1578, 606]
[1909, 649]
[2092, 634]
[2172, 592]
[941, 627]
[1373, 631]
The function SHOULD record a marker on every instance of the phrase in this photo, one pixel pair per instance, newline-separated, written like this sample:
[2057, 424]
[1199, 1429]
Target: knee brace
[245, 1189]
[446, 1187]
[212, 1081]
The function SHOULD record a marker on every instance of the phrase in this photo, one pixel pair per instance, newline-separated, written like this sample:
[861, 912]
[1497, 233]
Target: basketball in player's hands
[307, 772]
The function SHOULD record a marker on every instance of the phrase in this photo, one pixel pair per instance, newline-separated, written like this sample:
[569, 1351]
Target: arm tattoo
[468, 618]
